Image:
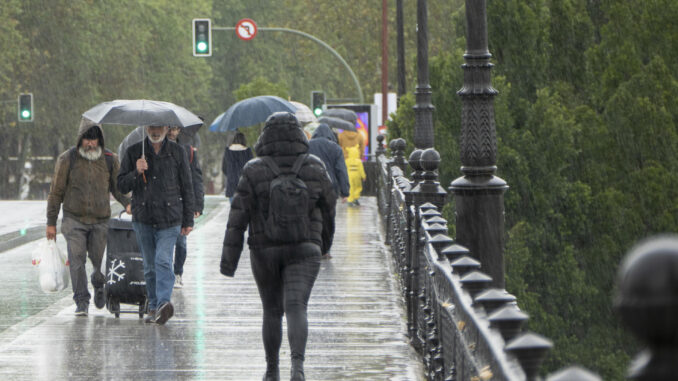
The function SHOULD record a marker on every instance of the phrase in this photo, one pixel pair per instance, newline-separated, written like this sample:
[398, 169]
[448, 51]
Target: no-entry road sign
[246, 29]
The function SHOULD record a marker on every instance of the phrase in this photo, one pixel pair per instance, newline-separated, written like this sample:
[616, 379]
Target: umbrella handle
[144, 157]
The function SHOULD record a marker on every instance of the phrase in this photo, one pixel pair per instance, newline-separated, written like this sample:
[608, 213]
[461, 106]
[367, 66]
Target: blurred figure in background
[356, 175]
[235, 157]
[199, 203]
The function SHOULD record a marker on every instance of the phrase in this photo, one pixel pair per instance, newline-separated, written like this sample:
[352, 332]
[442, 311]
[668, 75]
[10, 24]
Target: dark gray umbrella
[142, 112]
[337, 123]
[342, 113]
[249, 112]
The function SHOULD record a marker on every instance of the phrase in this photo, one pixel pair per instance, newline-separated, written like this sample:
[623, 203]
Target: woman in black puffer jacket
[284, 272]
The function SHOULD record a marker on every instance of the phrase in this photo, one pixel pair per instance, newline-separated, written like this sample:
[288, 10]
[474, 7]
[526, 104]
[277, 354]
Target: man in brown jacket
[83, 178]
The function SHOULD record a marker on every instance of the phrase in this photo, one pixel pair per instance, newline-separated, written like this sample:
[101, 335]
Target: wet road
[356, 325]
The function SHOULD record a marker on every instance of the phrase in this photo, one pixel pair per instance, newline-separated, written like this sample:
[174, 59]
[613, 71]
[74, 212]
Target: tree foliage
[586, 123]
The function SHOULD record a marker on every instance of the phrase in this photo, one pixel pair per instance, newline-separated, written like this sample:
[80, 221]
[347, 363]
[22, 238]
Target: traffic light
[317, 102]
[25, 107]
[202, 38]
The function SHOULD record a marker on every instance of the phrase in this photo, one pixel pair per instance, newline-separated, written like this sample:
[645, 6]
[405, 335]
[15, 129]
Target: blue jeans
[180, 255]
[157, 248]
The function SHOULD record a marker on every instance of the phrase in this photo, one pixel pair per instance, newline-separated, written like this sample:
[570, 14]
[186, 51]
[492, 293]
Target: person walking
[286, 236]
[235, 157]
[349, 139]
[323, 144]
[84, 176]
[180, 247]
[162, 208]
[356, 175]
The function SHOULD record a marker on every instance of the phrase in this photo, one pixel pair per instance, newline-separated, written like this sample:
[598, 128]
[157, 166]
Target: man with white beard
[84, 176]
[156, 171]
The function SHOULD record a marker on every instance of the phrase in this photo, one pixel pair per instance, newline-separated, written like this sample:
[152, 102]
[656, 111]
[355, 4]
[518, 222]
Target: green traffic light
[25, 114]
[202, 46]
[318, 111]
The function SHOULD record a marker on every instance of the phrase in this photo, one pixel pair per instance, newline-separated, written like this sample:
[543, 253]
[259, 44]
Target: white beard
[158, 140]
[92, 155]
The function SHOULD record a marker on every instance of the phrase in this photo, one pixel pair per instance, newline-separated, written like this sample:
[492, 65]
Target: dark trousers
[179, 255]
[285, 276]
[83, 240]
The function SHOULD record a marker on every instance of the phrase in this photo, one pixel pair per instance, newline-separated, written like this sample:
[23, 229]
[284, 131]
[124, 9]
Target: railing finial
[647, 301]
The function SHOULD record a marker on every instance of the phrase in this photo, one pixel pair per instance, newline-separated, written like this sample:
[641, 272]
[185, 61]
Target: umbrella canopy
[249, 112]
[337, 123]
[342, 113]
[304, 114]
[142, 112]
[188, 135]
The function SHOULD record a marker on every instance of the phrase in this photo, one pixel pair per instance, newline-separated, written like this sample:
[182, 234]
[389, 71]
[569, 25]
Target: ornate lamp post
[423, 110]
[479, 195]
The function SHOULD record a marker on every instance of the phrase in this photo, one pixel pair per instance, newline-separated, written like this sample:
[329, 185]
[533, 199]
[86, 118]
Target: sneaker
[99, 297]
[81, 309]
[178, 282]
[150, 317]
[164, 313]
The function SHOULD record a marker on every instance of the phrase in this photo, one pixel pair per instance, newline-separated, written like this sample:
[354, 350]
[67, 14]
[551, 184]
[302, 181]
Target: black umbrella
[337, 123]
[342, 113]
[249, 112]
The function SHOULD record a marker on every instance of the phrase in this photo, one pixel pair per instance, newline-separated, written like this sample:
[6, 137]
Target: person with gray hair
[84, 176]
[156, 171]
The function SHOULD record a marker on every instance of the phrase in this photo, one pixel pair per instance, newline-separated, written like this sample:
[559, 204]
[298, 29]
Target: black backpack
[289, 200]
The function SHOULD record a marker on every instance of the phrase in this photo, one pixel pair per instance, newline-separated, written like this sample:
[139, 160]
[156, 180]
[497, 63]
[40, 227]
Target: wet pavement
[356, 319]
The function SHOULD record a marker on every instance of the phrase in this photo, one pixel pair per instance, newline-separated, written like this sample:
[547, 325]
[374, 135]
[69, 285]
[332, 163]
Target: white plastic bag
[53, 271]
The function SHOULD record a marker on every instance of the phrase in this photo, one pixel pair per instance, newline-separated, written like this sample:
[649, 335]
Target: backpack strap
[108, 155]
[271, 164]
[298, 163]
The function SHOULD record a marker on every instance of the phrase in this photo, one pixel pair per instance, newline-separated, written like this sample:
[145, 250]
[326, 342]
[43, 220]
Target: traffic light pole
[325, 45]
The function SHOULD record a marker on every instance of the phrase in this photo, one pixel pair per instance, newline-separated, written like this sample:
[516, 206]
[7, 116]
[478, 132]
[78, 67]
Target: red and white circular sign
[246, 29]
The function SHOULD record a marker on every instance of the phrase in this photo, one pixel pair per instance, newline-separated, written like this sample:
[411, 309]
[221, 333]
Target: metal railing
[462, 328]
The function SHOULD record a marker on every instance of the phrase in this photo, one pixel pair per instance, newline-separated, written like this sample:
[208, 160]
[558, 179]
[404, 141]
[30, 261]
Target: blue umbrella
[249, 112]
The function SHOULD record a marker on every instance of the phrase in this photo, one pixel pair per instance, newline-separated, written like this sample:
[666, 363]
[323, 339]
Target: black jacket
[166, 198]
[283, 142]
[231, 166]
[324, 145]
[196, 177]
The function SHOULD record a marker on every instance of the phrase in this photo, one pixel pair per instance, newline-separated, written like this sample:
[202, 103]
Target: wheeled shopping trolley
[124, 268]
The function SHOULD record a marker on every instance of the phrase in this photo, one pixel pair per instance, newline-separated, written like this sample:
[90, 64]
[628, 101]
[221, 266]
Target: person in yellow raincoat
[356, 174]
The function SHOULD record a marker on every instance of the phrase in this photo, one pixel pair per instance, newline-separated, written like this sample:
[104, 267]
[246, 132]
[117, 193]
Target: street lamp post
[479, 194]
[423, 110]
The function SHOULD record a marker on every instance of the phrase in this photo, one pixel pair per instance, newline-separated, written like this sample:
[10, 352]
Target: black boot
[297, 371]
[272, 371]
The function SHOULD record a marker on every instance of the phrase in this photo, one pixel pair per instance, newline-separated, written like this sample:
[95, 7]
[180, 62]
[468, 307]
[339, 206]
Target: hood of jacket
[282, 136]
[86, 124]
[324, 131]
[353, 153]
